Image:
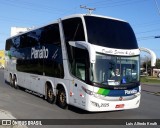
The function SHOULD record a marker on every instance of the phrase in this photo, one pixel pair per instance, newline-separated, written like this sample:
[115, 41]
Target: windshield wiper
[76, 31]
[96, 83]
[104, 82]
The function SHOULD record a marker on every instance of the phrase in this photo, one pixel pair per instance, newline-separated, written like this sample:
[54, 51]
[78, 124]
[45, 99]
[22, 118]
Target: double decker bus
[87, 61]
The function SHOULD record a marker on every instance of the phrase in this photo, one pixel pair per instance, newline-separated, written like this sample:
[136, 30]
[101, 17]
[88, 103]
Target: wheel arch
[11, 75]
[49, 84]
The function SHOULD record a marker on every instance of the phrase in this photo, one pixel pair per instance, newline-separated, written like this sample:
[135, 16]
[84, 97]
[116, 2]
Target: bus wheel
[50, 95]
[15, 82]
[10, 81]
[61, 98]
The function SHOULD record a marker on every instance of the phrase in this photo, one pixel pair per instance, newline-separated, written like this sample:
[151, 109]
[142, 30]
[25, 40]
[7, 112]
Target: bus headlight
[87, 91]
[93, 93]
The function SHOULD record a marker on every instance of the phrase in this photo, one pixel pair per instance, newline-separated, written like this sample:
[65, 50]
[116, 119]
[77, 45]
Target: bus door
[76, 92]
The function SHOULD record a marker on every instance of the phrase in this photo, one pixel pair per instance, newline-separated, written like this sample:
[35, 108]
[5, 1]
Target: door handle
[75, 85]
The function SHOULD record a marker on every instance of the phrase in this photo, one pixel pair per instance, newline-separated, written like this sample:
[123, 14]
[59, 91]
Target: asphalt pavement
[5, 115]
[151, 88]
[145, 87]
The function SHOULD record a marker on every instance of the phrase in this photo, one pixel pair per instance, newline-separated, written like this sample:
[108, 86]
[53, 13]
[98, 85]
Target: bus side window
[50, 35]
[80, 71]
[73, 30]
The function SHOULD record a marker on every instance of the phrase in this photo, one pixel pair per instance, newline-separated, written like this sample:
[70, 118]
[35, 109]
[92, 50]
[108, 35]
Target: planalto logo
[130, 91]
[39, 53]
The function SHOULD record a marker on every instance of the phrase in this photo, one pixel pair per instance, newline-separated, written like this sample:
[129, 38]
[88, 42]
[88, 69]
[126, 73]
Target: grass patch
[149, 80]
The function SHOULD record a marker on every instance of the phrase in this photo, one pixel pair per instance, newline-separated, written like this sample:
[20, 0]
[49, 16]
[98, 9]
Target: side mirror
[85, 45]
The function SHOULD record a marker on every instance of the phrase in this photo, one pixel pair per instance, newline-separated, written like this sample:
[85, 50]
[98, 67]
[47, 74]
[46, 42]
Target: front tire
[61, 99]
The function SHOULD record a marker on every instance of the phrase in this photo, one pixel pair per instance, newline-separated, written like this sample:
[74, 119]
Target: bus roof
[94, 15]
[68, 17]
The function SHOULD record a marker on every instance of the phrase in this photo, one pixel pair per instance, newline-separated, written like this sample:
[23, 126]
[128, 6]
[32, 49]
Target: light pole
[89, 9]
[146, 65]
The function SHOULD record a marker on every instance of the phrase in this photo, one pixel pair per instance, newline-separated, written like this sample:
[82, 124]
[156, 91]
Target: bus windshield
[115, 70]
[110, 33]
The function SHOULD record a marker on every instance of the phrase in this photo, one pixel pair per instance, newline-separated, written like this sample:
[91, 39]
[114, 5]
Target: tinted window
[8, 44]
[73, 29]
[16, 42]
[39, 52]
[53, 65]
[110, 33]
[30, 39]
[50, 35]
[79, 63]
[78, 58]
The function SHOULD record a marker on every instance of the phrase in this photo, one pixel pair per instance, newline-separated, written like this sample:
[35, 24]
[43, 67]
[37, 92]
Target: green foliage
[149, 80]
[149, 64]
[158, 63]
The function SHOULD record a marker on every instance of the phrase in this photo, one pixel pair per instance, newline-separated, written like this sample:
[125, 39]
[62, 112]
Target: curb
[7, 115]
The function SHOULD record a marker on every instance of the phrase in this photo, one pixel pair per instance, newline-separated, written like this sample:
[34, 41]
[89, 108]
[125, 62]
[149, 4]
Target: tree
[158, 63]
[149, 64]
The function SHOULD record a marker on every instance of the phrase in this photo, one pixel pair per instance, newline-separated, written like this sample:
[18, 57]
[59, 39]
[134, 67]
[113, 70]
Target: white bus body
[70, 62]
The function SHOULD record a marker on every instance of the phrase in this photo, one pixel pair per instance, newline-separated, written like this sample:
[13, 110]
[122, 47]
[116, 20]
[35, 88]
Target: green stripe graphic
[103, 91]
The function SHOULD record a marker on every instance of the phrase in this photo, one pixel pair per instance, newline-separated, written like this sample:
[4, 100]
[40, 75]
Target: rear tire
[10, 81]
[50, 95]
[61, 99]
[15, 82]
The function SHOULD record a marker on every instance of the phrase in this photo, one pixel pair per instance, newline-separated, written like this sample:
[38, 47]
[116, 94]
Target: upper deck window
[110, 33]
[73, 29]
